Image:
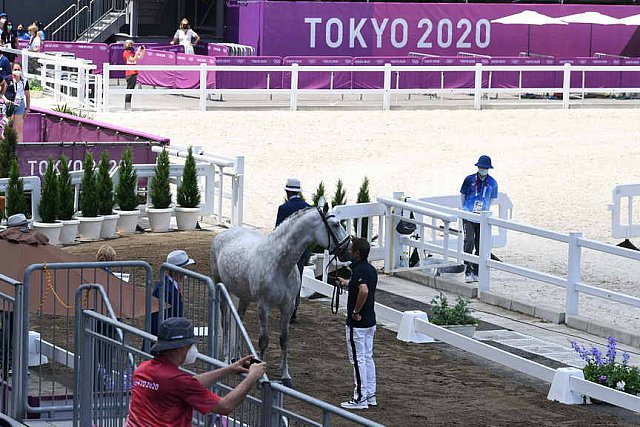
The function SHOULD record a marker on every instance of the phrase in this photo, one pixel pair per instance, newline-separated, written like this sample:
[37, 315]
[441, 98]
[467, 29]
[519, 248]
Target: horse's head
[332, 236]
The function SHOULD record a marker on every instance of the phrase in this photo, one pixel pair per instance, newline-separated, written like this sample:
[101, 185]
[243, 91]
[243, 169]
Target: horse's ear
[325, 209]
[322, 204]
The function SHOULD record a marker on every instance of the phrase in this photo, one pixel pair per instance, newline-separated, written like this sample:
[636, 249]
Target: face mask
[191, 355]
[185, 26]
[17, 73]
[483, 172]
[10, 27]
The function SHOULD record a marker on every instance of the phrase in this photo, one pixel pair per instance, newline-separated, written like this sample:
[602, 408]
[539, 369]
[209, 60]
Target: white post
[238, 193]
[220, 194]
[484, 253]
[56, 81]
[105, 88]
[388, 240]
[82, 79]
[573, 274]
[203, 86]
[386, 96]
[397, 247]
[293, 102]
[98, 93]
[566, 85]
[25, 63]
[477, 88]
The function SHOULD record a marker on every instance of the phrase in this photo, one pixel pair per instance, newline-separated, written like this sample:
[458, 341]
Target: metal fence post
[105, 87]
[18, 352]
[293, 102]
[573, 274]
[484, 253]
[477, 88]
[386, 96]
[203, 86]
[566, 85]
[267, 405]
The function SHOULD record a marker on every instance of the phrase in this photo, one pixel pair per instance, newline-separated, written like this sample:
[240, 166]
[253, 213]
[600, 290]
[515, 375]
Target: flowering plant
[604, 370]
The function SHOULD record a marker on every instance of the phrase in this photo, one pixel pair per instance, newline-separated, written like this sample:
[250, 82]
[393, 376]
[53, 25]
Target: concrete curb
[541, 312]
[443, 284]
[603, 330]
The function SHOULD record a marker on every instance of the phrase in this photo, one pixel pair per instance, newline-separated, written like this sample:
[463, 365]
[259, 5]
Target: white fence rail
[479, 92]
[496, 355]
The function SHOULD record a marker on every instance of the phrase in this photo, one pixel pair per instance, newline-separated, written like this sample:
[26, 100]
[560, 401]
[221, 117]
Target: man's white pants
[360, 351]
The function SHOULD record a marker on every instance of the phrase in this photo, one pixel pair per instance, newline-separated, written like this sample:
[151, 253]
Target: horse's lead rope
[337, 289]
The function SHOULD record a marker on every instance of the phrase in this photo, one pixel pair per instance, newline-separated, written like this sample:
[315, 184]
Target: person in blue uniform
[294, 203]
[477, 192]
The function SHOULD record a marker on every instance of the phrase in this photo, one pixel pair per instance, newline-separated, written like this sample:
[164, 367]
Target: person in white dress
[186, 37]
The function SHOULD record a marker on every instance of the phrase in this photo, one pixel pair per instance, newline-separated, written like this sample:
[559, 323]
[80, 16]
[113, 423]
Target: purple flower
[603, 378]
[582, 352]
[597, 355]
[611, 350]
[625, 358]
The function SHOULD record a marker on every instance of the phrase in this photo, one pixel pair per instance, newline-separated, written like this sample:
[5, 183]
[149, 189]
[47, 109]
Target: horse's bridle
[341, 245]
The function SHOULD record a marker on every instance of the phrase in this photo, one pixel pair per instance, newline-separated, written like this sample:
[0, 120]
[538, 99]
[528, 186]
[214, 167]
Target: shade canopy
[590, 18]
[528, 17]
[54, 291]
[631, 20]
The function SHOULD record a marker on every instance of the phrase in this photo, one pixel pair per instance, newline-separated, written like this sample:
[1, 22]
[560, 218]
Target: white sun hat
[179, 258]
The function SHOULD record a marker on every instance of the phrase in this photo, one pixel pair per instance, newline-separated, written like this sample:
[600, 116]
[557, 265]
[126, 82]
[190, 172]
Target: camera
[254, 360]
[143, 47]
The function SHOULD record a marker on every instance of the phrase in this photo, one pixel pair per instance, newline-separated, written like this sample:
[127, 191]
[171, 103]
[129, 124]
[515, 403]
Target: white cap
[17, 220]
[293, 184]
[179, 258]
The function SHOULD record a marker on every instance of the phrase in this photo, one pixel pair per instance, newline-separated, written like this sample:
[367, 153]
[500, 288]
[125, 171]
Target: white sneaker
[355, 404]
[474, 277]
[372, 401]
[468, 278]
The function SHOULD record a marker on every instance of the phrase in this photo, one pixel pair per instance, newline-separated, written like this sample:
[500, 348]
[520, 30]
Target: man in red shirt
[131, 76]
[165, 396]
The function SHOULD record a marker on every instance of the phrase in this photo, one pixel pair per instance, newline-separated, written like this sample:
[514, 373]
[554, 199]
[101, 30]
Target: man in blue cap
[477, 192]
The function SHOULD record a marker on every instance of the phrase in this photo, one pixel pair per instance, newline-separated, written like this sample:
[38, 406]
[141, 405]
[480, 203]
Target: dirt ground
[418, 385]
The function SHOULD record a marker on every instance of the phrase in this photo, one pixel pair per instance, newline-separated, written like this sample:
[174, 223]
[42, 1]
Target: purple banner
[214, 49]
[319, 79]
[401, 80]
[191, 79]
[248, 79]
[395, 29]
[52, 129]
[157, 78]
[98, 53]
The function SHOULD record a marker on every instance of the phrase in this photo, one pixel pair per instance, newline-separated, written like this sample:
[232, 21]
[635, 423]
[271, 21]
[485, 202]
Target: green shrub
[320, 192]
[340, 196]
[16, 200]
[363, 197]
[160, 190]
[88, 192]
[7, 149]
[443, 314]
[104, 186]
[126, 196]
[65, 189]
[49, 197]
[188, 192]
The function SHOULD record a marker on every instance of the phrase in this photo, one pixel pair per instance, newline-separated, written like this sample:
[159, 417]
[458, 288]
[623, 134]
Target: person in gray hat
[164, 395]
[293, 204]
[477, 193]
[174, 306]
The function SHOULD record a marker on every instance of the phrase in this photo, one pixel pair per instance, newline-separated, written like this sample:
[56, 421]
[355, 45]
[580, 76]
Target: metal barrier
[47, 307]
[266, 405]
[9, 351]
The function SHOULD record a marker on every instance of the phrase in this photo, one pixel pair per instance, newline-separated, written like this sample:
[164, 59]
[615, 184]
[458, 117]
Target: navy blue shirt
[362, 272]
[478, 192]
[5, 67]
[173, 305]
[294, 204]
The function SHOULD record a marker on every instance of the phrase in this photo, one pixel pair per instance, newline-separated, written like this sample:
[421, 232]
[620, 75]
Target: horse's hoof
[287, 382]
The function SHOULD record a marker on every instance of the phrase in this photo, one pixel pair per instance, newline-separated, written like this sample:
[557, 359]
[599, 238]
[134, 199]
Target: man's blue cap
[484, 162]
[2, 14]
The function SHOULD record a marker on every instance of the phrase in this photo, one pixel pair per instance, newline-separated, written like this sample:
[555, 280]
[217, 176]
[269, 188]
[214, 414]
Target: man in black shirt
[361, 325]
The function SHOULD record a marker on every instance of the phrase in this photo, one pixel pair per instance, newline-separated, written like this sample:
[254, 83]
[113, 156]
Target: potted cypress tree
[49, 206]
[188, 209]
[7, 153]
[90, 220]
[67, 208]
[160, 210]
[126, 197]
[16, 201]
[104, 187]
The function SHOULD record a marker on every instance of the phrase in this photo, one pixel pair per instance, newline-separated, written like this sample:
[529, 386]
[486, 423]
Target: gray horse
[260, 268]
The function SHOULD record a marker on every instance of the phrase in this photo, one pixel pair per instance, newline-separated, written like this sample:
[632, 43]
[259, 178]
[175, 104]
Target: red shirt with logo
[127, 55]
[165, 396]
